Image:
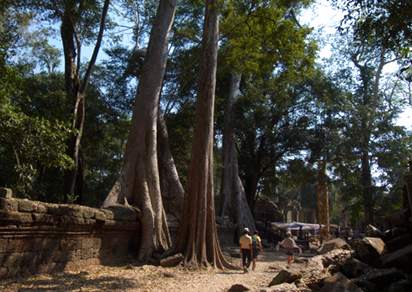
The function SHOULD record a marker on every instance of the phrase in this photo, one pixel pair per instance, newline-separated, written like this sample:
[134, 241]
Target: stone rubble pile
[381, 261]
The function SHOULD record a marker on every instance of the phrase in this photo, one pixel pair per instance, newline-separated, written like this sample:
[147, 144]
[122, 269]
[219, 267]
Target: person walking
[290, 245]
[256, 248]
[245, 242]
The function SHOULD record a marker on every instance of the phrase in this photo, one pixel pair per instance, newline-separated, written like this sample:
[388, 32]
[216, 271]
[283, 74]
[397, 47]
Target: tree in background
[264, 43]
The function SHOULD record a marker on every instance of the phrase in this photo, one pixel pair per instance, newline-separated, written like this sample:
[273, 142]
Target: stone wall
[38, 237]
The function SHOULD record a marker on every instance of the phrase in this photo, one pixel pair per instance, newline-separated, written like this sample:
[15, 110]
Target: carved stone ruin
[38, 237]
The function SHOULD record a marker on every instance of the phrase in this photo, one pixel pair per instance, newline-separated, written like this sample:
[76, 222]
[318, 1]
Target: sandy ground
[151, 278]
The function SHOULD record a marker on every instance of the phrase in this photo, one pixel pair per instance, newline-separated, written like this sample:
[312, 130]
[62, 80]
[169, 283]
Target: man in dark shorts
[245, 242]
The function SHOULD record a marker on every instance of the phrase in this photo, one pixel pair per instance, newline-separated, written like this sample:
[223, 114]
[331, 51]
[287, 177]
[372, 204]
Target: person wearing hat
[290, 245]
[245, 242]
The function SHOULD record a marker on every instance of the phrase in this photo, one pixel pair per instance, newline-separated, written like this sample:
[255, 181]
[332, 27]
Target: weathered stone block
[238, 288]
[26, 205]
[12, 260]
[369, 249]
[87, 243]
[8, 204]
[382, 278]
[53, 209]
[70, 244]
[88, 213]
[99, 215]
[123, 213]
[108, 214]
[70, 210]
[93, 261]
[44, 218]
[40, 208]
[3, 273]
[16, 217]
[71, 220]
[89, 221]
[73, 255]
[90, 253]
[58, 256]
[285, 276]
[109, 222]
[337, 283]
[333, 244]
[401, 258]
[48, 237]
[6, 193]
[3, 244]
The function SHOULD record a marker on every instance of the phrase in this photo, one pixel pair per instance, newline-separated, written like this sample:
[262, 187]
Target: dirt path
[151, 278]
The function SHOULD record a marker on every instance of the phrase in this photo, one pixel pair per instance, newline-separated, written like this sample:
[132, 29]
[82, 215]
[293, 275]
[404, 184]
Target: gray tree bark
[170, 185]
[139, 182]
[322, 199]
[234, 200]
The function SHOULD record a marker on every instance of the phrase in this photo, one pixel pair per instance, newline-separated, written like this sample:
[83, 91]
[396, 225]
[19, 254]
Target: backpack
[254, 242]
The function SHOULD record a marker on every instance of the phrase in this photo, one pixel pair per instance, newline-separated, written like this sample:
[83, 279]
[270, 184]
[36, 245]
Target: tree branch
[96, 48]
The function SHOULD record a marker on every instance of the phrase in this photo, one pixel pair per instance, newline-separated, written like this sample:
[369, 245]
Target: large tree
[233, 192]
[139, 182]
[198, 239]
[263, 43]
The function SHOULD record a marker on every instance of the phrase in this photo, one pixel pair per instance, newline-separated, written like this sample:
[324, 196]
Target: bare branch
[97, 46]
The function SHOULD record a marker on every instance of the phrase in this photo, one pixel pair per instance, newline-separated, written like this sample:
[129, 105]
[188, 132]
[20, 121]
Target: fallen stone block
[369, 249]
[401, 286]
[339, 283]
[398, 242]
[336, 257]
[285, 276]
[238, 288]
[333, 244]
[285, 287]
[172, 261]
[381, 278]
[353, 268]
[401, 259]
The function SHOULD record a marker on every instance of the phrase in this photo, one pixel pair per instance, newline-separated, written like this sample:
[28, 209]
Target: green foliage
[30, 142]
[289, 114]
[261, 36]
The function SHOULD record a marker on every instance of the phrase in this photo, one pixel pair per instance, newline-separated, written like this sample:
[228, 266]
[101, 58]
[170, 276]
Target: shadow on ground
[69, 282]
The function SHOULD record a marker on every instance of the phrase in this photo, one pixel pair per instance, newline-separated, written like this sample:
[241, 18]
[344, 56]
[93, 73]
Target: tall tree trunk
[233, 200]
[198, 239]
[76, 90]
[251, 186]
[322, 199]
[139, 182]
[170, 185]
[367, 188]
[370, 94]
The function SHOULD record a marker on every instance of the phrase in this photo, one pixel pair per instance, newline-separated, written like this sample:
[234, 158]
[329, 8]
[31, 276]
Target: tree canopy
[66, 112]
